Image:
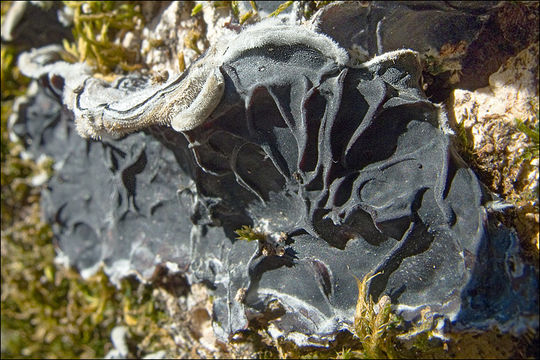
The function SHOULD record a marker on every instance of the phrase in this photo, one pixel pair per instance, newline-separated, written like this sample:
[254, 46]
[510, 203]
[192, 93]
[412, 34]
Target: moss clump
[49, 312]
[531, 129]
[247, 233]
[281, 8]
[308, 8]
[531, 153]
[374, 326]
[99, 28]
[146, 318]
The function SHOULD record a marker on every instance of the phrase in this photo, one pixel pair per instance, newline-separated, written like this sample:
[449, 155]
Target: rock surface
[489, 115]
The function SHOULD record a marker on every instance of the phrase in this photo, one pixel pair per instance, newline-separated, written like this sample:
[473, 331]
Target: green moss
[433, 65]
[530, 153]
[146, 318]
[196, 9]
[96, 24]
[532, 132]
[281, 8]
[248, 15]
[247, 233]
[16, 172]
[345, 353]
[374, 327]
[49, 311]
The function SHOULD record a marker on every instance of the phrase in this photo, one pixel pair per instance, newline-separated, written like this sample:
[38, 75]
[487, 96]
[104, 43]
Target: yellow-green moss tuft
[96, 26]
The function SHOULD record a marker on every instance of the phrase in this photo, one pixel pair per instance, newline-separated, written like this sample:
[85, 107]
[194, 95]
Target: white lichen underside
[100, 109]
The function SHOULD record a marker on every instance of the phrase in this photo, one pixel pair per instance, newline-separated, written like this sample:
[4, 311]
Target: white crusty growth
[274, 32]
[182, 103]
[185, 101]
[203, 105]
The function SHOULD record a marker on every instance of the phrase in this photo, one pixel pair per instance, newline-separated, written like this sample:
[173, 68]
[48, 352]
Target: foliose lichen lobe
[277, 128]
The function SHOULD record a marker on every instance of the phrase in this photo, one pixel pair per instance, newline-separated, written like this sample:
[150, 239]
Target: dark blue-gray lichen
[347, 166]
